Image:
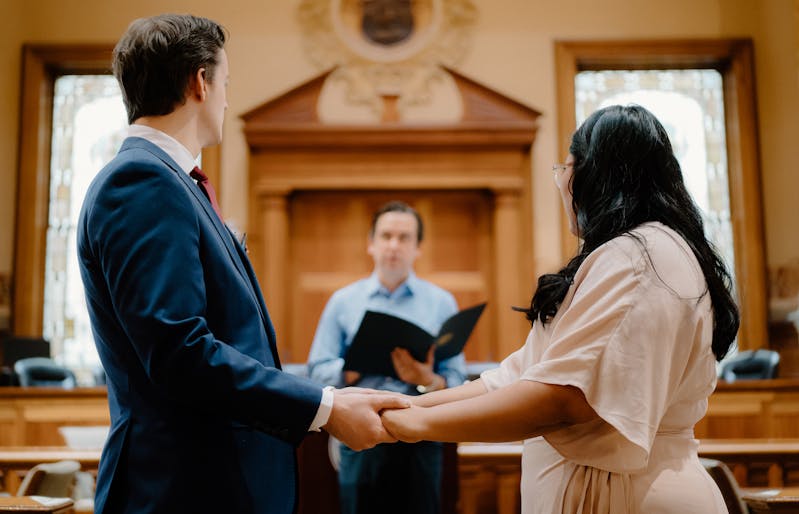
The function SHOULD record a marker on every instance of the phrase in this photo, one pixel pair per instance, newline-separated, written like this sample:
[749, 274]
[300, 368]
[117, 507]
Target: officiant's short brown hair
[398, 206]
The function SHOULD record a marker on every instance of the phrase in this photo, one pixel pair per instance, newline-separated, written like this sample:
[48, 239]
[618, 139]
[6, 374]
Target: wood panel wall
[313, 188]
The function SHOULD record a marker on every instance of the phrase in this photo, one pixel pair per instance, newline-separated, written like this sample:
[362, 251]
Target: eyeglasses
[557, 169]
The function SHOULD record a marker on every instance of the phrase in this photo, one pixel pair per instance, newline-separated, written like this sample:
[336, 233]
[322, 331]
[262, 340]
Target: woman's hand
[407, 425]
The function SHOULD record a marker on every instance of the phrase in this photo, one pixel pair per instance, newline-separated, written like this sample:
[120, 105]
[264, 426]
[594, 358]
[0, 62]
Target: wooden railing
[746, 427]
[31, 416]
[490, 473]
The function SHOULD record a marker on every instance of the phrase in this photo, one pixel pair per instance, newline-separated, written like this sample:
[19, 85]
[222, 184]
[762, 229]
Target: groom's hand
[355, 418]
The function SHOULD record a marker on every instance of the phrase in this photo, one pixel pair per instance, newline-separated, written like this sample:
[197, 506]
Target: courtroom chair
[55, 479]
[726, 482]
[14, 348]
[42, 371]
[7, 377]
[751, 365]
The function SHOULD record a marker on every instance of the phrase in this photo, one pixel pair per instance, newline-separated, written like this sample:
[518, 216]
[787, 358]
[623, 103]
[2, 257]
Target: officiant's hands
[355, 418]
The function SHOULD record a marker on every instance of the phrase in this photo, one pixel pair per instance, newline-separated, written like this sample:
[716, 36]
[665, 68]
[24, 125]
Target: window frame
[42, 64]
[734, 59]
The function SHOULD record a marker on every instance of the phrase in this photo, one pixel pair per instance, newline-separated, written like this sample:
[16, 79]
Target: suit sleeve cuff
[325, 407]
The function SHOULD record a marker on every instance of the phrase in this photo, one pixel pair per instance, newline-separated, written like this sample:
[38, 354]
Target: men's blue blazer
[202, 418]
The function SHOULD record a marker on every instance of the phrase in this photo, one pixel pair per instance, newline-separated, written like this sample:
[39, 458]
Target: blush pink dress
[634, 334]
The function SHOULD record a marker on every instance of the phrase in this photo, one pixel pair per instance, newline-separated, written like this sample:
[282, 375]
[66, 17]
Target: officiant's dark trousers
[398, 478]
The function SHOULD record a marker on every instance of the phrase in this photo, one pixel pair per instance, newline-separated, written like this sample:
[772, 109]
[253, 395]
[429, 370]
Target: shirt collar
[374, 286]
[174, 148]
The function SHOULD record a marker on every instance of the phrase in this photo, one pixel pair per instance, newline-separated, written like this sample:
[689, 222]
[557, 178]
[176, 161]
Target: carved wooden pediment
[278, 122]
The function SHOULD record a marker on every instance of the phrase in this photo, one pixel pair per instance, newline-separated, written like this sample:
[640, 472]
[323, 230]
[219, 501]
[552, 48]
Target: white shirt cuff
[325, 408]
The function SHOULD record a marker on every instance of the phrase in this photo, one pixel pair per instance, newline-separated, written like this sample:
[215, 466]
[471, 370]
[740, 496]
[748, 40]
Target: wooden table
[774, 501]
[14, 460]
[38, 505]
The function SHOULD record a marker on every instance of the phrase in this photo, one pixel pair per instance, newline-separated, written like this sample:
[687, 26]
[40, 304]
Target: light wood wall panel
[313, 188]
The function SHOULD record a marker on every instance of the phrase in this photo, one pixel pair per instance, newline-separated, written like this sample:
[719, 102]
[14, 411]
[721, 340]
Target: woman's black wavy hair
[626, 174]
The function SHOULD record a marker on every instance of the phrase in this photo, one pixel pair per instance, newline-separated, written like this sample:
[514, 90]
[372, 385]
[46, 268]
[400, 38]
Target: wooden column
[273, 247]
[508, 271]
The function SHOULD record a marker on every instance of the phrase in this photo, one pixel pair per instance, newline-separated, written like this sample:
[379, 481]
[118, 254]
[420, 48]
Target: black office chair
[43, 372]
[751, 365]
[14, 348]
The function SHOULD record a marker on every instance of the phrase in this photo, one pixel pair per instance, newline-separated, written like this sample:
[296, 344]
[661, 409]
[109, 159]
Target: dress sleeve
[615, 341]
[510, 369]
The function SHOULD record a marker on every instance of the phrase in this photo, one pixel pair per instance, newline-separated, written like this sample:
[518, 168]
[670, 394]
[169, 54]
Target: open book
[380, 333]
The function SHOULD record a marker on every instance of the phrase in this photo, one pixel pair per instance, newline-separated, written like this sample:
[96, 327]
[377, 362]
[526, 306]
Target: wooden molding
[733, 58]
[490, 120]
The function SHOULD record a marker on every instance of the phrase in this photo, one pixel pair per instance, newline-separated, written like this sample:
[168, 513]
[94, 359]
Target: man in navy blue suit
[202, 417]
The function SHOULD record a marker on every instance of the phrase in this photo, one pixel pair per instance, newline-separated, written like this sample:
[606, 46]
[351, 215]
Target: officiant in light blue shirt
[398, 478]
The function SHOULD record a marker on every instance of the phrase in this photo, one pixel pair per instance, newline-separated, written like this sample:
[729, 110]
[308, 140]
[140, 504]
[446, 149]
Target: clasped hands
[362, 418]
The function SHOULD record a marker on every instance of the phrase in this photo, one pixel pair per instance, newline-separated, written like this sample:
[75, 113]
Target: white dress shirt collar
[174, 148]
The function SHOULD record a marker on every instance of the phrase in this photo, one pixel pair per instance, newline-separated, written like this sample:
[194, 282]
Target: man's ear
[198, 85]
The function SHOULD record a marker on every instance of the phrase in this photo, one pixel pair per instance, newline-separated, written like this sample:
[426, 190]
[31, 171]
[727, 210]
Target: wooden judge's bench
[753, 426]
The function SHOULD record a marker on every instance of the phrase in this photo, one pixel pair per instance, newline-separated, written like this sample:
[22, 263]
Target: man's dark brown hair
[157, 58]
[397, 206]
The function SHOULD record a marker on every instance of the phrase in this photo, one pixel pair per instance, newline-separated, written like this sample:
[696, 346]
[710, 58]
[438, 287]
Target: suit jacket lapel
[270, 330]
[222, 230]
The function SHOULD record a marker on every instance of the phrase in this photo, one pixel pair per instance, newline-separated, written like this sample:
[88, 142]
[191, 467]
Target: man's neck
[178, 124]
[391, 283]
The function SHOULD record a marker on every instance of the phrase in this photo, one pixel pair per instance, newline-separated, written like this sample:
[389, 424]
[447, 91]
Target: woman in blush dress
[620, 360]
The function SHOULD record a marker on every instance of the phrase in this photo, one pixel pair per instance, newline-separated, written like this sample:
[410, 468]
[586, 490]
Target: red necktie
[205, 184]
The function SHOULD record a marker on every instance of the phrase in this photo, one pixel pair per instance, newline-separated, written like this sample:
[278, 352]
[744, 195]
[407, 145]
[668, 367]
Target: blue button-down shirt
[415, 300]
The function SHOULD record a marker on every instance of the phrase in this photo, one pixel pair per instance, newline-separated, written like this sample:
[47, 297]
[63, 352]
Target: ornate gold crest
[386, 48]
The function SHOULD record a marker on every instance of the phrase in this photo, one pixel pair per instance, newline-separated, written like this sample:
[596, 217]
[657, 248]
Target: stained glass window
[690, 105]
[89, 125]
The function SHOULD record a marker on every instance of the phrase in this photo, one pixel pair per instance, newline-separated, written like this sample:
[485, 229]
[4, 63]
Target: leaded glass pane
[89, 124]
[690, 105]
